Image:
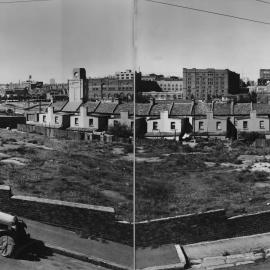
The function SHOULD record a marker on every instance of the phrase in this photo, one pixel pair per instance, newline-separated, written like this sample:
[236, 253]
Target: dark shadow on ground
[32, 250]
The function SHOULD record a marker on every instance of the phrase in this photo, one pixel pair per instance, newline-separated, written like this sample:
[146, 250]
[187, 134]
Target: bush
[250, 137]
[119, 130]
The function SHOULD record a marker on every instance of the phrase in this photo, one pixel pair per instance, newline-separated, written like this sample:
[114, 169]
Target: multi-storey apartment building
[125, 75]
[171, 84]
[112, 87]
[265, 74]
[205, 83]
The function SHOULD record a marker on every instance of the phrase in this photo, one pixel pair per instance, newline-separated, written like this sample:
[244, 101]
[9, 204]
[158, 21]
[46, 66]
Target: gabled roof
[242, 109]
[261, 108]
[58, 105]
[91, 106]
[201, 108]
[182, 109]
[159, 107]
[106, 107]
[143, 109]
[72, 106]
[222, 109]
[125, 107]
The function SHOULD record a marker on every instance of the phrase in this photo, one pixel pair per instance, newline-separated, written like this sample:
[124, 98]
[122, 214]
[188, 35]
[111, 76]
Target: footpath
[218, 254]
[104, 253]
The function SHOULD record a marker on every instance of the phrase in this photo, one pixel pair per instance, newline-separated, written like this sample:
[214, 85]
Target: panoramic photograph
[134, 134]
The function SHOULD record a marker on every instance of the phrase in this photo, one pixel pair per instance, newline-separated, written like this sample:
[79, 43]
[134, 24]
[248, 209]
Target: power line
[262, 1]
[209, 12]
[23, 1]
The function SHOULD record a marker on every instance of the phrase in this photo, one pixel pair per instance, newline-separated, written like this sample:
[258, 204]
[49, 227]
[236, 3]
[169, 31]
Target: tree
[253, 96]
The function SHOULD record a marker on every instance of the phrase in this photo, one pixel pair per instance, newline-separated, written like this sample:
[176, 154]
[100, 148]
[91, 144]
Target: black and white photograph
[134, 134]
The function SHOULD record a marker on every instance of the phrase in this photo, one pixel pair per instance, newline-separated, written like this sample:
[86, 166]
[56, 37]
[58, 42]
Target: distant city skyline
[48, 39]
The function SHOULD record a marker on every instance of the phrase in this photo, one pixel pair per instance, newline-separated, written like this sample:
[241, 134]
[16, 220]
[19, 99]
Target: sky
[48, 39]
[171, 38]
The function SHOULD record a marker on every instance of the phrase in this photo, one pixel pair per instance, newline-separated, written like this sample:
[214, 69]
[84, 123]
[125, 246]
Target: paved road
[256, 266]
[52, 262]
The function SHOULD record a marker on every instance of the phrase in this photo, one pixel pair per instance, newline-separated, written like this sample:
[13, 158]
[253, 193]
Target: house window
[155, 125]
[261, 124]
[218, 125]
[56, 120]
[91, 122]
[131, 124]
[76, 121]
[245, 124]
[173, 125]
[44, 119]
[201, 126]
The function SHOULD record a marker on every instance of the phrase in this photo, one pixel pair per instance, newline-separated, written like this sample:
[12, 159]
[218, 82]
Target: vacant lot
[174, 179]
[92, 173]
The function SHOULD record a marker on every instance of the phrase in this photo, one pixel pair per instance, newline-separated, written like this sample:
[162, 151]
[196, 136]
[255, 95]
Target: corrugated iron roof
[157, 108]
[72, 106]
[106, 108]
[182, 109]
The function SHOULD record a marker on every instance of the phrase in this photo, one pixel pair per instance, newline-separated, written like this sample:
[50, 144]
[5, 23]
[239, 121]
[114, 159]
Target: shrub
[119, 130]
[250, 137]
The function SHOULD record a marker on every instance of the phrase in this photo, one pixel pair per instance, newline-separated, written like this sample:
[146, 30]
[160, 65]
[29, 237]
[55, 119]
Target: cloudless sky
[48, 39]
[170, 38]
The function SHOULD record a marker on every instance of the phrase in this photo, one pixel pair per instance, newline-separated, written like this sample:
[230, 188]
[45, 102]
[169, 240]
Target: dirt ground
[212, 175]
[92, 173]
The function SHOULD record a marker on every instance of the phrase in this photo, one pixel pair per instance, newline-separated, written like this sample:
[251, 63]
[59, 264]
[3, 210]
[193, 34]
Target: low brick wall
[193, 228]
[182, 229]
[91, 220]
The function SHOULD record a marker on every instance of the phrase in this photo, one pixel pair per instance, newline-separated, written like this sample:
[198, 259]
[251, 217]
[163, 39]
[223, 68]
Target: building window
[76, 121]
[131, 124]
[155, 125]
[91, 122]
[201, 126]
[218, 125]
[56, 119]
[245, 124]
[44, 119]
[261, 124]
[173, 125]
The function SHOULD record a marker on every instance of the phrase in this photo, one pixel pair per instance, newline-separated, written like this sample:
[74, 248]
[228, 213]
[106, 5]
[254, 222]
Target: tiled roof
[105, 107]
[182, 109]
[242, 108]
[72, 106]
[159, 107]
[222, 109]
[58, 105]
[143, 109]
[125, 107]
[91, 106]
[202, 108]
[261, 108]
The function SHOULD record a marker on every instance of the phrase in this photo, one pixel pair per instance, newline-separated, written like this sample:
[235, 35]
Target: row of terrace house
[156, 120]
[166, 120]
[91, 116]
